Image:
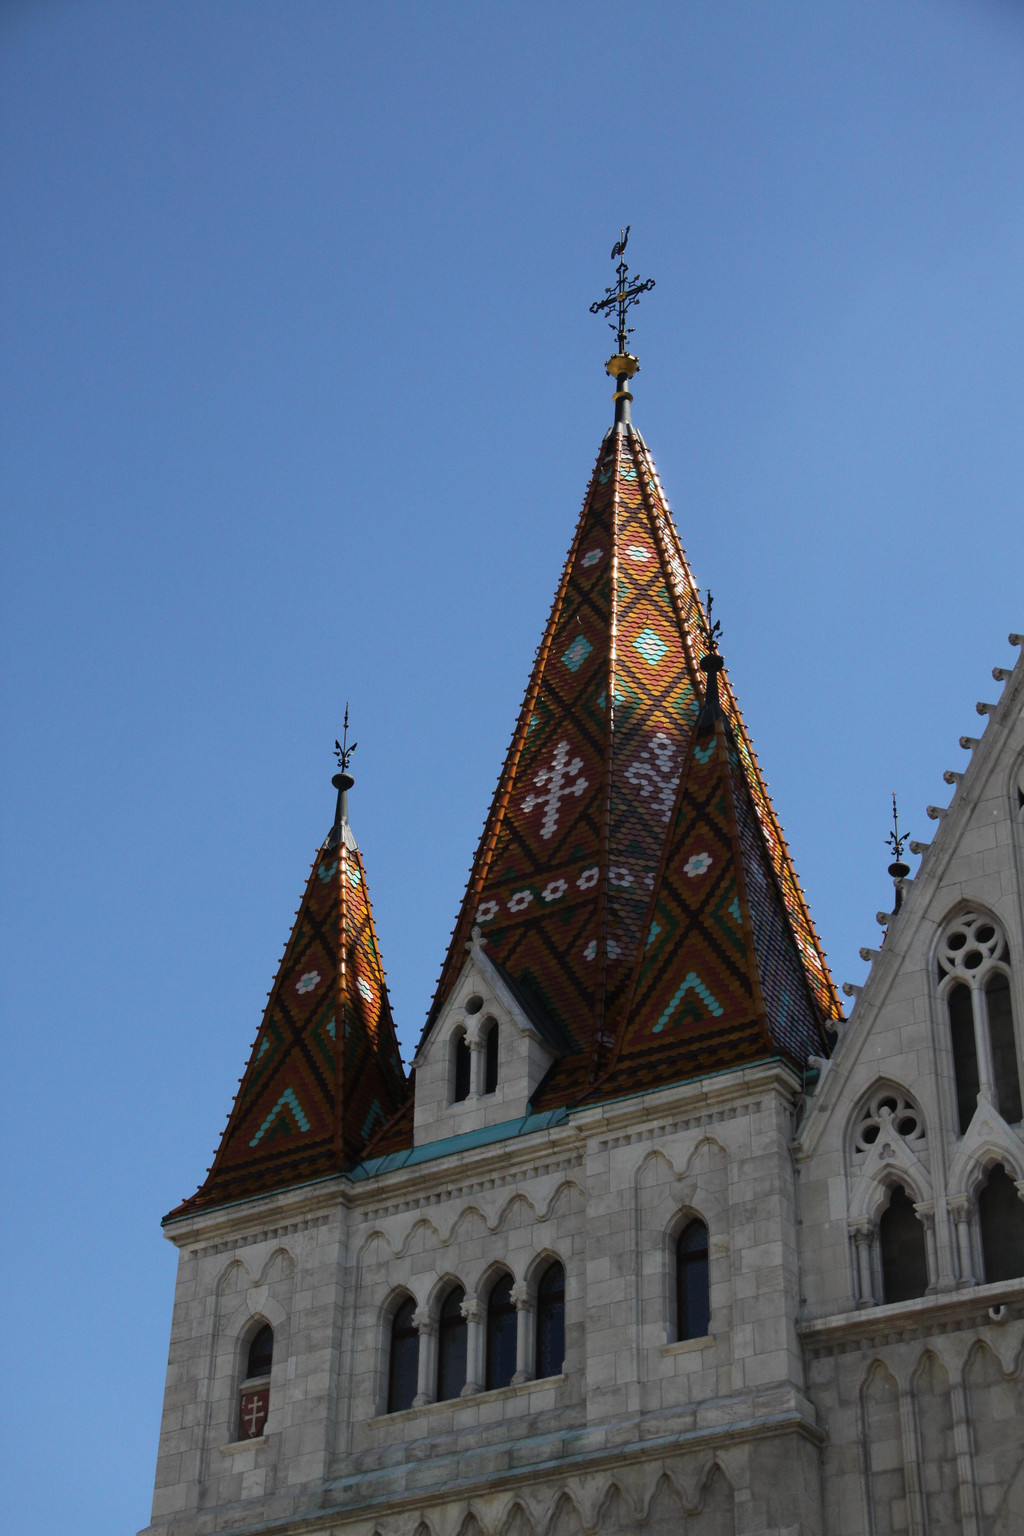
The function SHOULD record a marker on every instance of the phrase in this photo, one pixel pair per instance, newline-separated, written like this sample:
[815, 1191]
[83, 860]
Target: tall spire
[565, 872]
[618, 301]
[324, 1072]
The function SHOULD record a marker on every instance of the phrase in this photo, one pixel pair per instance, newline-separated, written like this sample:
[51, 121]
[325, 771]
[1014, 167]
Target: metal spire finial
[710, 664]
[617, 303]
[342, 750]
[343, 782]
[897, 841]
[710, 631]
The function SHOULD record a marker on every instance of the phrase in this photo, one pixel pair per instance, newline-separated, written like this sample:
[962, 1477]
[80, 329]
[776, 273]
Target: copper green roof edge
[505, 1130]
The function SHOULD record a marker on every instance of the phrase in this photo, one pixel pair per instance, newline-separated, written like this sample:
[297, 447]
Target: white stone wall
[606, 1194]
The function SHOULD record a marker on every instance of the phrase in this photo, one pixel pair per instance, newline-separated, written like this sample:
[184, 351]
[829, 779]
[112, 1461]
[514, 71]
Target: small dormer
[486, 1054]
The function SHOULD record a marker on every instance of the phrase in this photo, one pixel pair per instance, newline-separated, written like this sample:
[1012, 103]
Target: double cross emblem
[556, 777]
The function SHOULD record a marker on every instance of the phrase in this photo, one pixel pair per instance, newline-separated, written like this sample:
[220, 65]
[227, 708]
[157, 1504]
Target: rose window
[888, 1110]
[968, 944]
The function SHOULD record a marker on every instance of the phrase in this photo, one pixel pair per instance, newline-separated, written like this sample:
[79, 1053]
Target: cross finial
[342, 750]
[621, 298]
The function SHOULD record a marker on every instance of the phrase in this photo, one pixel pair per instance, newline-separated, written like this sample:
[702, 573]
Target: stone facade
[811, 1405]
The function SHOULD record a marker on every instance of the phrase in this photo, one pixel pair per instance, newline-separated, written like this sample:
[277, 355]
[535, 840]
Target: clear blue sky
[300, 399]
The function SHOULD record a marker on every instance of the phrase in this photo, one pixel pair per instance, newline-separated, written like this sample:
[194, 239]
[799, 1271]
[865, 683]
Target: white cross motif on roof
[657, 780]
[555, 777]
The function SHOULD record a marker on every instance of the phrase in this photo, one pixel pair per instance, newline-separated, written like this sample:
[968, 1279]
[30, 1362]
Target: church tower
[562, 1279]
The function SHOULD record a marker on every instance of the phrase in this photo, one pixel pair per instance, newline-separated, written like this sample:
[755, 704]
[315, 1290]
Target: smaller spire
[897, 841]
[343, 782]
[620, 299]
[711, 664]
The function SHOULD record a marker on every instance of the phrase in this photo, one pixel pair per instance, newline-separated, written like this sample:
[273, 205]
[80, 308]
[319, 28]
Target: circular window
[473, 1004]
[892, 1110]
[970, 942]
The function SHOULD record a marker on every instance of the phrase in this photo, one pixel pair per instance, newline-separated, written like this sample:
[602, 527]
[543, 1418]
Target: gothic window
[1001, 1218]
[491, 1057]
[461, 1066]
[254, 1397]
[901, 1241]
[1004, 1047]
[501, 1334]
[693, 1298]
[890, 1110]
[451, 1346]
[551, 1321]
[404, 1358]
[972, 963]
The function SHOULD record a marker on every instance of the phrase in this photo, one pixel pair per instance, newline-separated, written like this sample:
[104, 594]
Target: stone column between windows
[925, 1211]
[983, 1046]
[960, 1210]
[863, 1239]
[426, 1364]
[473, 1312]
[526, 1333]
[476, 1066]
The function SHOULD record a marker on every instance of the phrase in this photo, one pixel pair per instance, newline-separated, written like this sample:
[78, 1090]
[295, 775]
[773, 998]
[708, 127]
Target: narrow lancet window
[551, 1321]
[1004, 1047]
[403, 1365]
[491, 1058]
[254, 1399]
[461, 1067]
[965, 1054]
[901, 1242]
[501, 1335]
[451, 1346]
[693, 1295]
[1001, 1218]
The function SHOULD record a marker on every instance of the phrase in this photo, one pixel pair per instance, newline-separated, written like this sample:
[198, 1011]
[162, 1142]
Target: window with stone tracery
[254, 1394]
[888, 1111]
[974, 974]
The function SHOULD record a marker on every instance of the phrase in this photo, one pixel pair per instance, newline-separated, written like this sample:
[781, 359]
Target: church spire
[324, 1072]
[578, 830]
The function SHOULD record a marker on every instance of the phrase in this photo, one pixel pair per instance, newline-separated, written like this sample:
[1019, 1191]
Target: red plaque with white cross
[253, 1415]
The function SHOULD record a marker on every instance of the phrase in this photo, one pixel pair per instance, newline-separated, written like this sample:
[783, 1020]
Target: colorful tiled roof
[325, 1071]
[564, 876]
[719, 980]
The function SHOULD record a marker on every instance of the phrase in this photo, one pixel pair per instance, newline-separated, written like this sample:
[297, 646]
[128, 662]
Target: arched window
[491, 1057]
[1001, 1218]
[965, 1053]
[461, 1066]
[451, 1346]
[693, 1295]
[551, 1321]
[404, 1359]
[501, 1334]
[901, 1242]
[254, 1398]
[1004, 1047]
[973, 957]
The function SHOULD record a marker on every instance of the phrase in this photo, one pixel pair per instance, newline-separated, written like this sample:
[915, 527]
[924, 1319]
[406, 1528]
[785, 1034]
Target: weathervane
[897, 841]
[710, 631]
[623, 296]
[342, 750]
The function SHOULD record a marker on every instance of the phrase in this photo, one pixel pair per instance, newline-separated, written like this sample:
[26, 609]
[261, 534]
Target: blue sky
[300, 396]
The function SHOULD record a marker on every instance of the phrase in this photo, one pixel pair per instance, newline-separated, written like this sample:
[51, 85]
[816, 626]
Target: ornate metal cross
[623, 296]
[896, 840]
